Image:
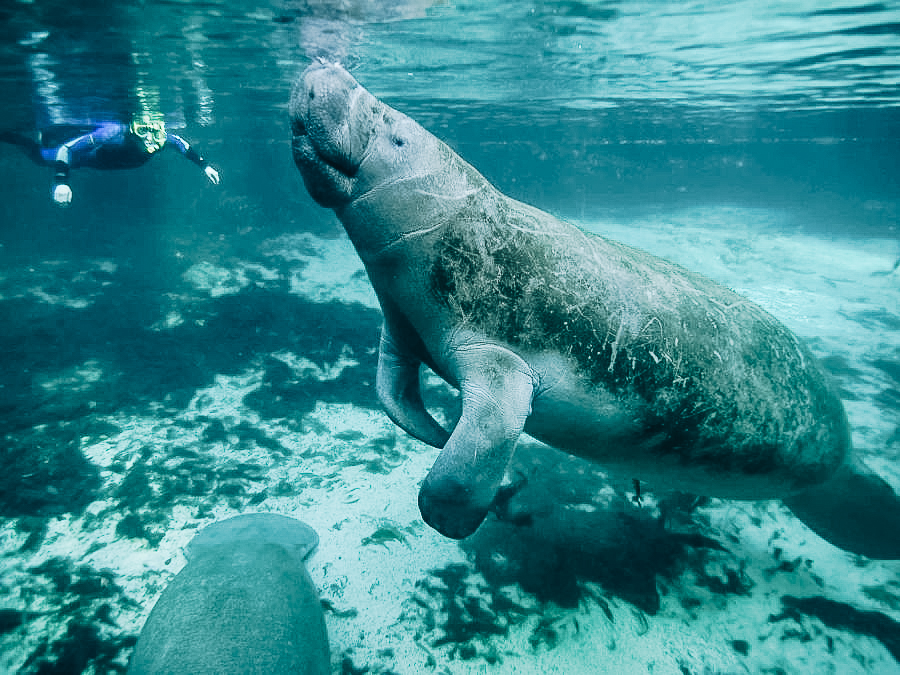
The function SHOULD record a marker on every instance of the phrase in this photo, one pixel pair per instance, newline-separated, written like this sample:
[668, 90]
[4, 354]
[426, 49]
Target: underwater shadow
[76, 365]
[567, 526]
[562, 537]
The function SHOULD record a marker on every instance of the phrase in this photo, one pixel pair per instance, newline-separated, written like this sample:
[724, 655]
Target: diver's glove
[62, 194]
[212, 174]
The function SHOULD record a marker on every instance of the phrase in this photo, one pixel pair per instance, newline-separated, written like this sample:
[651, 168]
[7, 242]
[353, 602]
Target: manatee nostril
[312, 94]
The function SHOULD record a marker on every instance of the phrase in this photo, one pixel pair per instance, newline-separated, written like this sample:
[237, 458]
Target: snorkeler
[107, 145]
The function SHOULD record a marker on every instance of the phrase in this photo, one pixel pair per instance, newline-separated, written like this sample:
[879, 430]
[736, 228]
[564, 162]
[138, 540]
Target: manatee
[244, 603]
[596, 348]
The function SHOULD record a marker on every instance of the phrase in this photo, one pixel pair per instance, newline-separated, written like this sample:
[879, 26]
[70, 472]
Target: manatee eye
[399, 142]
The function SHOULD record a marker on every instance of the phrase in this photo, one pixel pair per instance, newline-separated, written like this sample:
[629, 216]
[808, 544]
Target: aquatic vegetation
[728, 581]
[90, 600]
[837, 615]
[886, 594]
[453, 607]
[43, 472]
[378, 456]
[157, 482]
[385, 533]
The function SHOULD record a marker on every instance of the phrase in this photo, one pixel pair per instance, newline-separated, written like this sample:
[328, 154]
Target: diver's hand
[62, 194]
[212, 174]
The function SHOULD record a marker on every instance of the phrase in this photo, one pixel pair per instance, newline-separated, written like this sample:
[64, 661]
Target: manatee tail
[855, 510]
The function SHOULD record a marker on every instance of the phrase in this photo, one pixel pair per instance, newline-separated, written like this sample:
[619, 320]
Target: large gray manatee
[244, 603]
[597, 348]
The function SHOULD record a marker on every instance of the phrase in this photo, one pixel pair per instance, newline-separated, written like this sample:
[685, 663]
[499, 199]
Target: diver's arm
[190, 153]
[62, 193]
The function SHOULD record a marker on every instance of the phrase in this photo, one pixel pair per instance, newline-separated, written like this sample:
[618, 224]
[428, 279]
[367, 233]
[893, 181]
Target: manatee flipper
[398, 389]
[855, 510]
[496, 387]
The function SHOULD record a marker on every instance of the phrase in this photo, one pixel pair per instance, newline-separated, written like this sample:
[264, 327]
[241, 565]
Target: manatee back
[244, 603]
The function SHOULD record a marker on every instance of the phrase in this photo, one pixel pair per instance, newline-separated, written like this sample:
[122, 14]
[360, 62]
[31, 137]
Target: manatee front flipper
[496, 387]
[855, 510]
[398, 389]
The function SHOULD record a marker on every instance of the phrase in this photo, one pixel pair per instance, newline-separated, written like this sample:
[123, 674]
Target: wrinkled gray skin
[599, 349]
[244, 603]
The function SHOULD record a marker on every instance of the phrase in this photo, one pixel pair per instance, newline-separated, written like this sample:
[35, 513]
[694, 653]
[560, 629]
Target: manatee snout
[329, 121]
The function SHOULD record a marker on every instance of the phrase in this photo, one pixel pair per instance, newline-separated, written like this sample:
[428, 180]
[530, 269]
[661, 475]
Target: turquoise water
[178, 352]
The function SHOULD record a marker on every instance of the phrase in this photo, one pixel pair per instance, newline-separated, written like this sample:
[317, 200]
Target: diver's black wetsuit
[109, 145]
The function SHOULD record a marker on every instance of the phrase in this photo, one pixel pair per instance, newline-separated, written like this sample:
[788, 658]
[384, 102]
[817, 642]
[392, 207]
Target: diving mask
[151, 132]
